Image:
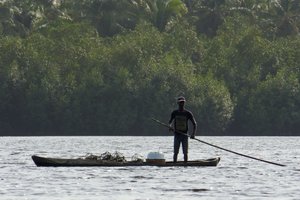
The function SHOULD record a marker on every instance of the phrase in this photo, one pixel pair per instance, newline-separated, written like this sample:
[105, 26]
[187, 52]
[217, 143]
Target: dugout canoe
[80, 162]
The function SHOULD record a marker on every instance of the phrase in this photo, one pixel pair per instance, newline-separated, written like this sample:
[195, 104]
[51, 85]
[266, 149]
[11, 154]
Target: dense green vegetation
[108, 66]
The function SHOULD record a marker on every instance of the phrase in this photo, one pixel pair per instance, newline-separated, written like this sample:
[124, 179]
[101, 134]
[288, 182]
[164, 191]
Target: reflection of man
[180, 118]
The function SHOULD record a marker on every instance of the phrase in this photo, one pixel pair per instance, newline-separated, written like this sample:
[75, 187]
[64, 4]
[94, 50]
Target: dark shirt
[181, 120]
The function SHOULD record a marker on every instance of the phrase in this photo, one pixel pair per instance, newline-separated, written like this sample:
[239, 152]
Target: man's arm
[194, 130]
[171, 121]
[194, 126]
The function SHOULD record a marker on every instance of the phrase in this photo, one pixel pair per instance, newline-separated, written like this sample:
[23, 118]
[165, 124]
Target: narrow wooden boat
[79, 162]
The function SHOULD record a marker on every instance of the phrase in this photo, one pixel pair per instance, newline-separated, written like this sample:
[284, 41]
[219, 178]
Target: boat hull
[79, 162]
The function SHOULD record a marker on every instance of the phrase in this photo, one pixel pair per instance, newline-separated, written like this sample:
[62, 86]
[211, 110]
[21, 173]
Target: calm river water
[235, 177]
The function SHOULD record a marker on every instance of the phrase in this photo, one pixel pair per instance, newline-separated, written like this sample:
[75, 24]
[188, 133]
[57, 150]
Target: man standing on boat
[181, 116]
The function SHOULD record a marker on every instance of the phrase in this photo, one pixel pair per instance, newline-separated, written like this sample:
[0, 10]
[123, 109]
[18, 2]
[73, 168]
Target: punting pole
[234, 152]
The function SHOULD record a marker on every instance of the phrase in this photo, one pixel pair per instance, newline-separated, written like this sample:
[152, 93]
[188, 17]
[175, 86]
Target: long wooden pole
[234, 152]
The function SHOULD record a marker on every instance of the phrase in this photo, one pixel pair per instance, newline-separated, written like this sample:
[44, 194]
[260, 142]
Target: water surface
[235, 177]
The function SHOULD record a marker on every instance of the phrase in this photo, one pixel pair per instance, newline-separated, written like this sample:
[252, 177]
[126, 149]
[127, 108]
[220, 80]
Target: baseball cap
[180, 99]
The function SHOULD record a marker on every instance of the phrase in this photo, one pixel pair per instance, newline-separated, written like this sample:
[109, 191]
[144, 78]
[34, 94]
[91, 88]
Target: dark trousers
[183, 140]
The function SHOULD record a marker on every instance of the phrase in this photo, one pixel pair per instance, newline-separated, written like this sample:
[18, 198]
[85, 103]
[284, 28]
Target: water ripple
[235, 177]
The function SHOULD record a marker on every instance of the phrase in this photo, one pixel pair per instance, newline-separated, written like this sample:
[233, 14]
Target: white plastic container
[156, 158]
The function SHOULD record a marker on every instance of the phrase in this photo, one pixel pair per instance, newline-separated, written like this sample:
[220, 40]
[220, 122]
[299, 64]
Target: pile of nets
[114, 157]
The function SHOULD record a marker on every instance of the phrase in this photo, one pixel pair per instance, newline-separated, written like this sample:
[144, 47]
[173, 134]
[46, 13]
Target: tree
[287, 16]
[11, 84]
[212, 105]
[274, 106]
[207, 15]
[276, 18]
[109, 17]
[163, 12]
[22, 17]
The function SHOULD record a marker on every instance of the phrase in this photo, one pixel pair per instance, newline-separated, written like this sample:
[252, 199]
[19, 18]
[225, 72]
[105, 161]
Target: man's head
[181, 101]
